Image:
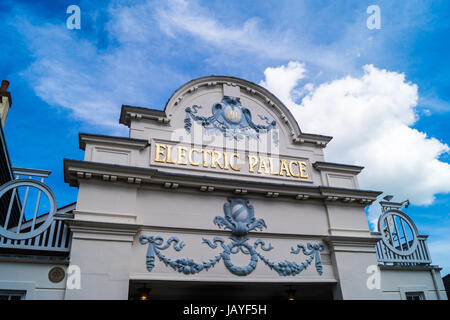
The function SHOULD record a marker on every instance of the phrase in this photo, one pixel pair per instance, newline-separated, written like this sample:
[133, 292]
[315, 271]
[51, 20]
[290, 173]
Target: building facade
[220, 195]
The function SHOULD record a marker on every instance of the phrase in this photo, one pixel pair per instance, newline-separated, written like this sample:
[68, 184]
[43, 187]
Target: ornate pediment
[222, 125]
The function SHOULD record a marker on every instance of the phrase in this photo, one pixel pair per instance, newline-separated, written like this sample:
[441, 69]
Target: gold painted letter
[205, 157]
[232, 164]
[191, 160]
[284, 167]
[225, 160]
[215, 158]
[182, 155]
[262, 164]
[252, 162]
[275, 173]
[159, 152]
[169, 154]
[303, 173]
[292, 170]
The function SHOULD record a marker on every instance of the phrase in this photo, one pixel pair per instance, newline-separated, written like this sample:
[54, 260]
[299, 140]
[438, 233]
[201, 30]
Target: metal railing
[400, 244]
[57, 237]
[45, 232]
[420, 256]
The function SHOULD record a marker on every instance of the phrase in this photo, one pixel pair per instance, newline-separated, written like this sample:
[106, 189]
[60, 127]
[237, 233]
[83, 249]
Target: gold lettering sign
[222, 160]
[160, 152]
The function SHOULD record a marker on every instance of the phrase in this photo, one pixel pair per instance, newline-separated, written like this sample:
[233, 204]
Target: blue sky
[138, 52]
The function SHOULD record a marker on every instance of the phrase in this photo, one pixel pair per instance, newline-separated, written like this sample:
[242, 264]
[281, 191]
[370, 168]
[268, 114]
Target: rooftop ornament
[23, 228]
[231, 119]
[399, 232]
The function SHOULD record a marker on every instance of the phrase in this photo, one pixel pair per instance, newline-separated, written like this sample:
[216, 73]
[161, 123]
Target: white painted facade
[129, 187]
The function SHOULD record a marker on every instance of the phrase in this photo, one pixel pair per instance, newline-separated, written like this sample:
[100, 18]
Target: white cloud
[284, 79]
[183, 16]
[251, 36]
[370, 119]
[73, 72]
[439, 253]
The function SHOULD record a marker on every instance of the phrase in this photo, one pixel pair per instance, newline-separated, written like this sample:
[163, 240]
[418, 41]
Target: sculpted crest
[231, 119]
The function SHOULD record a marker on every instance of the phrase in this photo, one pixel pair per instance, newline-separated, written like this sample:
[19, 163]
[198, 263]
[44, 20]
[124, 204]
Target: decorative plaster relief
[239, 219]
[231, 119]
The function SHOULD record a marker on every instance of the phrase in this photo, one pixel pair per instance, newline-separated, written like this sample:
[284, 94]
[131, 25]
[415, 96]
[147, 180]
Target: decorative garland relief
[239, 219]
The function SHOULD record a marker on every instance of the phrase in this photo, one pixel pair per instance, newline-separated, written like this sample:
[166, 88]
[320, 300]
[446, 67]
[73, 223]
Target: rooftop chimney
[5, 85]
[5, 102]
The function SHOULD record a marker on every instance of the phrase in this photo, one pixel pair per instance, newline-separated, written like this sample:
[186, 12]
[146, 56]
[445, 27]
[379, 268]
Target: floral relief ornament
[239, 219]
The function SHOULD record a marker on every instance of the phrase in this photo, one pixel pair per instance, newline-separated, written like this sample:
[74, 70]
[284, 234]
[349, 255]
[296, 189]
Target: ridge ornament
[231, 119]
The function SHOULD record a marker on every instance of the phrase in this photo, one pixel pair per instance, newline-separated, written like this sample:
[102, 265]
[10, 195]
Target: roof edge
[85, 137]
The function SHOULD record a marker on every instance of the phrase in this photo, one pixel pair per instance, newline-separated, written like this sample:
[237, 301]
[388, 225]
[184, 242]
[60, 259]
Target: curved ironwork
[15, 232]
[393, 225]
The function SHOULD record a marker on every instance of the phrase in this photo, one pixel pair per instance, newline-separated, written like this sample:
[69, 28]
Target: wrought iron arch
[29, 183]
[392, 224]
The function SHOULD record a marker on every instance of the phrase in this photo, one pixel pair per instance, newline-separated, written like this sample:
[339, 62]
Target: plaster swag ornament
[239, 219]
[231, 119]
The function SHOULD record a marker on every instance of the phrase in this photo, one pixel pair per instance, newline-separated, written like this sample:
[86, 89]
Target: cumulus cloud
[283, 80]
[370, 118]
[136, 62]
[183, 16]
[251, 36]
[72, 71]
[439, 253]
[129, 60]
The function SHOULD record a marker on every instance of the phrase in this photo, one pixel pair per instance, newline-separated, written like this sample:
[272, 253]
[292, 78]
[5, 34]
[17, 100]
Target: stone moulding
[239, 219]
[75, 171]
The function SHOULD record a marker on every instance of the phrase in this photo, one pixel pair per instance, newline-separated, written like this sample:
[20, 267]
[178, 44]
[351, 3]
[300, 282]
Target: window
[12, 295]
[414, 296]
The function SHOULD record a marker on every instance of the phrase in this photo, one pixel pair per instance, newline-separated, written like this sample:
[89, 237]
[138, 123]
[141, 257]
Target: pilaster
[102, 254]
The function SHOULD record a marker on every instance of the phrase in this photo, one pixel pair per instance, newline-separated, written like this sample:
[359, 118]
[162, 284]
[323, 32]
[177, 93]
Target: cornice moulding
[130, 112]
[75, 170]
[85, 138]
[133, 112]
[169, 277]
[352, 244]
[331, 166]
[94, 230]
